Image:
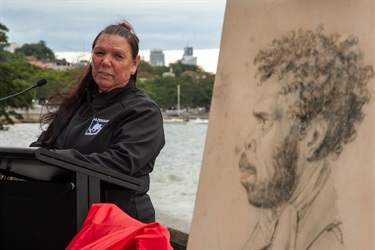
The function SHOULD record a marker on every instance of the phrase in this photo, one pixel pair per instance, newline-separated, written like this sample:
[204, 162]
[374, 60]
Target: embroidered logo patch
[96, 125]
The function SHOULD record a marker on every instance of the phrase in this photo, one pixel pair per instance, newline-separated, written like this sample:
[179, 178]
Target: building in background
[188, 57]
[52, 64]
[157, 57]
[12, 47]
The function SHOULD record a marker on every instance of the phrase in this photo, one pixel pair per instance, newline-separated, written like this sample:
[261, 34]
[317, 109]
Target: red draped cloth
[108, 227]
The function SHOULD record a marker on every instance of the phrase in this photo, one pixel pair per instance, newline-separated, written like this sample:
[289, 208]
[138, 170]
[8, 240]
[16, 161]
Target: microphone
[39, 83]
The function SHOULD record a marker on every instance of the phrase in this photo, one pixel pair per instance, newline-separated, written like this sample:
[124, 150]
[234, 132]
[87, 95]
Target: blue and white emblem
[96, 125]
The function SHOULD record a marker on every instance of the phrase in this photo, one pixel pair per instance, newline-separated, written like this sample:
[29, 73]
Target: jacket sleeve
[137, 141]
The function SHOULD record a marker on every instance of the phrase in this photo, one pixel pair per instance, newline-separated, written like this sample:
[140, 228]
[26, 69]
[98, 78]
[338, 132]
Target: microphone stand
[37, 84]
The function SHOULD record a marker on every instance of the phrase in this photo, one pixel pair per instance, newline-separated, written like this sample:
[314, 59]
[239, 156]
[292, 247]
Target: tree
[179, 67]
[3, 42]
[57, 82]
[15, 76]
[39, 50]
[196, 86]
[159, 70]
[3, 37]
[144, 66]
[145, 70]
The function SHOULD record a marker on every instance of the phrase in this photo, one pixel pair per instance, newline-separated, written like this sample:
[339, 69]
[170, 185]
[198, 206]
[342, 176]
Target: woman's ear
[135, 64]
[314, 138]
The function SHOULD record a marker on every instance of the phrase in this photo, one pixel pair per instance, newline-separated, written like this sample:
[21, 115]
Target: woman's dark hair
[70, 102]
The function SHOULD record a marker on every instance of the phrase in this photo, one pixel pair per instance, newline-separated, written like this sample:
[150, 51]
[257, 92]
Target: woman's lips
[104, 73]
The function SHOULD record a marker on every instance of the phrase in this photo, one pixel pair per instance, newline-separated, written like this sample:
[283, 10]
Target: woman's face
[112, 62]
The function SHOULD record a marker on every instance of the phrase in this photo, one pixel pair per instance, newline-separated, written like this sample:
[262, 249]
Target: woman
[109, 122]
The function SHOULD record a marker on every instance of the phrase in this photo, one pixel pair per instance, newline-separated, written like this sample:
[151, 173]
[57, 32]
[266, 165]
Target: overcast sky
[71, 25]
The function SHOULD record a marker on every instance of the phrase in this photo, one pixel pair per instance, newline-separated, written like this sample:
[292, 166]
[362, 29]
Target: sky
[71, 25]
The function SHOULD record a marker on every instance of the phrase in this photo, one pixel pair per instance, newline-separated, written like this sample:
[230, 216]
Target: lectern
[45, 196]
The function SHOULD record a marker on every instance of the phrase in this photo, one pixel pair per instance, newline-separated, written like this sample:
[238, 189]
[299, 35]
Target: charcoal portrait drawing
[314, 88]
[289, 158]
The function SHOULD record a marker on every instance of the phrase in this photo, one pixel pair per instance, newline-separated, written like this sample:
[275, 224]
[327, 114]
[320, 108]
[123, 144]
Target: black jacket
[121, 130]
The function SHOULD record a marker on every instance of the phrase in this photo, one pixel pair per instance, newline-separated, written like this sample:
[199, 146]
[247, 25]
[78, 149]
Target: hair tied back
[127, 25]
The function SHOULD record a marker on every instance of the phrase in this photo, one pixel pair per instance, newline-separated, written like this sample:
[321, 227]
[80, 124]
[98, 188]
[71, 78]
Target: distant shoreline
[33, 115]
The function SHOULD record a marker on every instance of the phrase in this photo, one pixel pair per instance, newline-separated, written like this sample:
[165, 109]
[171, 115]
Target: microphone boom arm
[37, 84]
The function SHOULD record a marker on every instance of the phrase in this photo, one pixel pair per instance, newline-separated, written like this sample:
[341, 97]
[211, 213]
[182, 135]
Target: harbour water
[175, 177]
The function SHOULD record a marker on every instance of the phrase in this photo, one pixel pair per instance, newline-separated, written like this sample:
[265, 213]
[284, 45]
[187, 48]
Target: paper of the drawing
[223, 217]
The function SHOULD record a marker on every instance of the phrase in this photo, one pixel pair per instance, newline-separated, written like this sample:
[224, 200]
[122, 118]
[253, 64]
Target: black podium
[45, 196]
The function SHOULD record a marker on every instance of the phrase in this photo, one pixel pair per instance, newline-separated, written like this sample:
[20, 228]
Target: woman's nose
[250, 145]
[106, 60]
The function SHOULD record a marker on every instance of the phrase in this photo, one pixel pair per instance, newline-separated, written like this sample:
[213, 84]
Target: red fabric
[108, 227]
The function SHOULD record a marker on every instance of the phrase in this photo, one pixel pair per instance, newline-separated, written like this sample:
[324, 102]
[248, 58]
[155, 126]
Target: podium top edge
[9, 151]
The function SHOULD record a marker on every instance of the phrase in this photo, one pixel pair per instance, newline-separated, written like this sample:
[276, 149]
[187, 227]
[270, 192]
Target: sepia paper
[223, 217]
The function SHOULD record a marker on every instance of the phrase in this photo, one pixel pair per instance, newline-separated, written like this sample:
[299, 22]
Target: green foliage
[3, 42]
[159, 70]
[15, 76]
[6, 55]
[195, 86]
[144, 66]
[39, 50]
[57, 81]
[3, 37]
[179, 68]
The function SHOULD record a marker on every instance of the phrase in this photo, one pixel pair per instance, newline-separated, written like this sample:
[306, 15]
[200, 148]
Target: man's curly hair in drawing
[330, 78]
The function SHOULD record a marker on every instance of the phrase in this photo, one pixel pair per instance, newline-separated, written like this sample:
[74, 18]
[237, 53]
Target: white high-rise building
[188, 57]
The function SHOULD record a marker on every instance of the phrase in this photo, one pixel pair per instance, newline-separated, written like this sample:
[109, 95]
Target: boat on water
[201, 121]
[176, 121]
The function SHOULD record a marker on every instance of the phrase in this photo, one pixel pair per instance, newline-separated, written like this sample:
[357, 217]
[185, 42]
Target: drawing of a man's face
[309, 109]
[268, 164]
